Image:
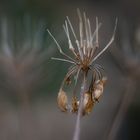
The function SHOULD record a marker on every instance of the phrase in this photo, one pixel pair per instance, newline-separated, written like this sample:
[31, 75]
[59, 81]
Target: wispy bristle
[106, 47]
[68, 35]
[97, 40]
[86, 30]
[80, 27]
[71, 28]
[60, 59]
[58, 46]
[96, 30]
[81, 34]
[89, 30]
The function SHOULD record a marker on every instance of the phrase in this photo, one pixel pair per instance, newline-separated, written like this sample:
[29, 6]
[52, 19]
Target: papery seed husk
[62, 100]
[98, 92]
[98, 88]
[88, 103]
[75, 104]
[104, 80]
[68, 81]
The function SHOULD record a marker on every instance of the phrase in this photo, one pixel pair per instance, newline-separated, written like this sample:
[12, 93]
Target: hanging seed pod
[104, 80]
[88, 103]
[62, 100]
[98, 89]
[75, 104]
[68, 81]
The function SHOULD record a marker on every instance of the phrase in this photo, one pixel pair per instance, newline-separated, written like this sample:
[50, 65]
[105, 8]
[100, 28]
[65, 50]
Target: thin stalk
[78, 120]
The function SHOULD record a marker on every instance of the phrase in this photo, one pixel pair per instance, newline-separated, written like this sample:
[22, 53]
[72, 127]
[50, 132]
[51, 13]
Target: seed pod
[104, 80]
[88, 103]
[75, 104]
[68, 81]
[62, 100]
[98, 89]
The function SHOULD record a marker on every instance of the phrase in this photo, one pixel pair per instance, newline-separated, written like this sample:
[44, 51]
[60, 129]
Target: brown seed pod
[88, 103]
[98, 88]
[62, 100]
[104, 80]
[75, 104]
[68, 81]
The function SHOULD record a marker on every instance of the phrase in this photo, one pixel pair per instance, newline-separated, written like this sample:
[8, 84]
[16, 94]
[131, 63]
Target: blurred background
[30, 80]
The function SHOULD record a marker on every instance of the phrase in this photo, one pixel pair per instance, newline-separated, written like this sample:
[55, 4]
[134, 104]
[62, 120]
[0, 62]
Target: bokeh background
[30, 80]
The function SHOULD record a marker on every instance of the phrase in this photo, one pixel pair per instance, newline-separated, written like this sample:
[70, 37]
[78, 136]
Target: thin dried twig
[77, 126]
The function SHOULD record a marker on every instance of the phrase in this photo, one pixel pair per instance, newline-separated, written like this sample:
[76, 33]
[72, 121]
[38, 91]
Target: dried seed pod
[98, 88]
[104, 80]
[88, 103]
[68, 81]
[62, 100]
[75, 104]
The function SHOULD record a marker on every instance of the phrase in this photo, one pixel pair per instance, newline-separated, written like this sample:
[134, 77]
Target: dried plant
[83, 64]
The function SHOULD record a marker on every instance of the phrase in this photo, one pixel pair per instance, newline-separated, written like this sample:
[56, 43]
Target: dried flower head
[84, 55]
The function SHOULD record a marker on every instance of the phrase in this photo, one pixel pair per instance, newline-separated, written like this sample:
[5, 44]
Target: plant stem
[77, 126]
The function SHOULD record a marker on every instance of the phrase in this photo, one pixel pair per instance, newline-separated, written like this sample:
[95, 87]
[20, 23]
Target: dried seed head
[88, 103]
[98, 88]
[62, 100]
[83, 48]
[75, 104]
